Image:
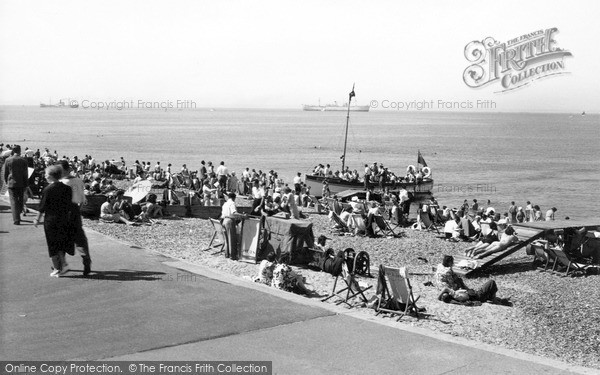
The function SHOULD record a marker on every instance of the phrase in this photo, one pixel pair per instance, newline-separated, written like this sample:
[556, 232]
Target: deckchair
[576, 244]
[562, 258]
[401, 292]
[332, 205]
[429, 225]
[176, 180]
[468, 228]
[337, 206]
[339, 224]
[540, 253]
[316, 203]
[325, 204]
[219, 235]
[353, 289]
[438, 218]
[383, 226]
[357, 223]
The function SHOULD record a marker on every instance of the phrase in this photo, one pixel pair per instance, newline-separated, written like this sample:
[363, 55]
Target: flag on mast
[352, 95]
[421, 160]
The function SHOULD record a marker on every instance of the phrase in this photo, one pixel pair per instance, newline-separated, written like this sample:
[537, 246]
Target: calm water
[550, 159]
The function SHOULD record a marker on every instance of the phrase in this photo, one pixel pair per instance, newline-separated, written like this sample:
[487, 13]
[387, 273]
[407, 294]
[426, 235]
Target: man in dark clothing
[78, 198]
[16, 177]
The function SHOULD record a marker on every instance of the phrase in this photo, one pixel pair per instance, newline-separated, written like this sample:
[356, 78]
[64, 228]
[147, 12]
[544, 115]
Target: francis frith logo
[515, 63]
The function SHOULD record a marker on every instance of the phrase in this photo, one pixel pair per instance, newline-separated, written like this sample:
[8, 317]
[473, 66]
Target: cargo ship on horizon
[335, 107]
[61, 104]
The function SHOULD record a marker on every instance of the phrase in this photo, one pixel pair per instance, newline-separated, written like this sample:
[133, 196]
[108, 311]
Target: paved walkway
[140, 305]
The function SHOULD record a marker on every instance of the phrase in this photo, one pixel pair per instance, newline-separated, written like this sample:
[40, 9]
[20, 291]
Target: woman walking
[58, 226]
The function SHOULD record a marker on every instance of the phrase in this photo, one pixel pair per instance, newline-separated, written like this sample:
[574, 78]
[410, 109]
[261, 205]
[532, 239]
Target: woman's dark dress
[58, 226]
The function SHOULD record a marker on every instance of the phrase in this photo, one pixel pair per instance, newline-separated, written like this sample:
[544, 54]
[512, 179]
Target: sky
[282, 54]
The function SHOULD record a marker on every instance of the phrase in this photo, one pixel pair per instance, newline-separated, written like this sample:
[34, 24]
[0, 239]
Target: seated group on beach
[361, 216]
[484, 229]
[280, 199]
[493, 232]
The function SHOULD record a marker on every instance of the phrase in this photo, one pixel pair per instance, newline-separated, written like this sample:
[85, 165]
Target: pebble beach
[552, 316]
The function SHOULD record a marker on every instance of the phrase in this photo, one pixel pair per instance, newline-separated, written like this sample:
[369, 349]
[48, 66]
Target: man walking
[16, 177]
[78, 198]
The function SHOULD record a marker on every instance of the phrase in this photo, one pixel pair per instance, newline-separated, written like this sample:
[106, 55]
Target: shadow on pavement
[121, 275]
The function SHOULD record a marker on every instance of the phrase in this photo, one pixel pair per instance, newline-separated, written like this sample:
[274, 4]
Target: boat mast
[347, 121]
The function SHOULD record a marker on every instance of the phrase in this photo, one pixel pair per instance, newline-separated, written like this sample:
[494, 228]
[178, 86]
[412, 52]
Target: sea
[550, 159]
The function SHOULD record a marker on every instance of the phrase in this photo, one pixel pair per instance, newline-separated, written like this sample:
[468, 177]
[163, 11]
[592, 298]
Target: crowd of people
[514, 213]
[85, 176]
[491, 231]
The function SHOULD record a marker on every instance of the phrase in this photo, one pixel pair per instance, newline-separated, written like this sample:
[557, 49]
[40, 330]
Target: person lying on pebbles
[508, 238]
[453, 287]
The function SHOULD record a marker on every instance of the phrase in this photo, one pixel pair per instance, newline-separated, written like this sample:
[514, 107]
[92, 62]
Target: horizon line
[299, 108]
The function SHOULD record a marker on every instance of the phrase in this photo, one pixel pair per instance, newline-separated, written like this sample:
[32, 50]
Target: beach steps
[526, 236]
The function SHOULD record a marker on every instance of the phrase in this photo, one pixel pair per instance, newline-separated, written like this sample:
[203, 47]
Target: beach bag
[334, 265]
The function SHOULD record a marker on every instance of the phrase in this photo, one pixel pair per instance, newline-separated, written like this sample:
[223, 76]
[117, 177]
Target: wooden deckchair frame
[383, 226]
[338, 221]
[358, 223]
[560, 257]
[175, 179]
[424, 216]
[467, 225]
[352, 288]
[219, 234]
[438, 217]
[399, 283]
[540, 252]
[332, 204]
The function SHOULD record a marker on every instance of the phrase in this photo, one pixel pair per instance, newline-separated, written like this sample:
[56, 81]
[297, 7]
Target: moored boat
[418, 191]
[419, 188]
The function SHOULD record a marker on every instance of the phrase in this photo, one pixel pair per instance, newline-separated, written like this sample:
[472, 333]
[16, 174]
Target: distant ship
[61, 104]
[336, 107]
